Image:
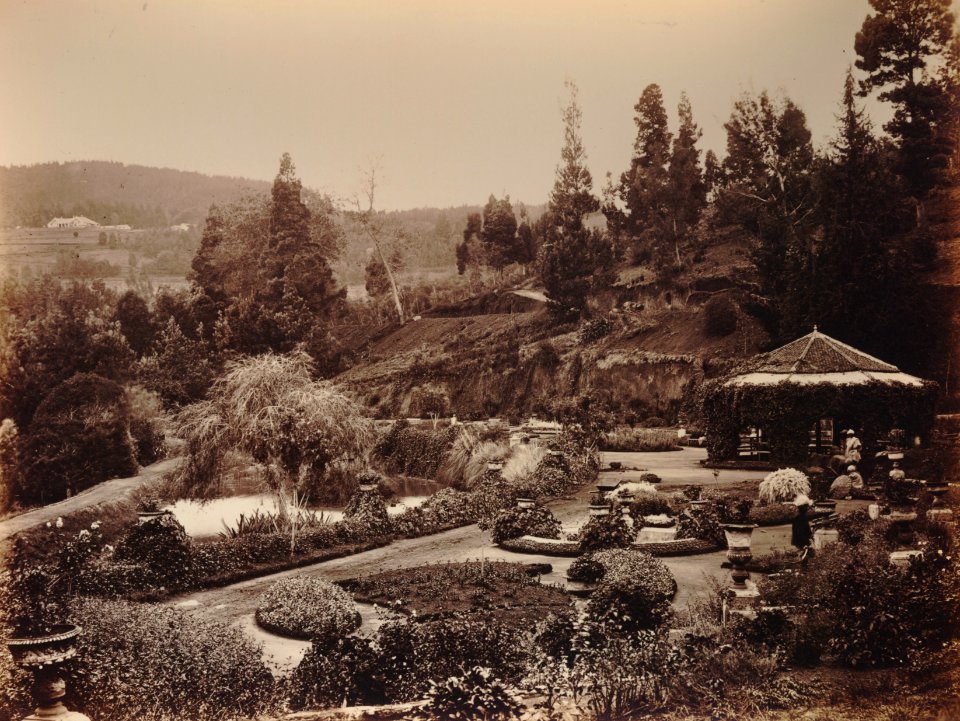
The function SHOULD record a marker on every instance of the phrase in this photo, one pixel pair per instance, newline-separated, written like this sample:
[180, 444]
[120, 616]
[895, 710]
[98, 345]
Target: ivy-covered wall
[787, 411]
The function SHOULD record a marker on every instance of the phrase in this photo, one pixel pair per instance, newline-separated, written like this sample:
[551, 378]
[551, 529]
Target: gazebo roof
[818, 358]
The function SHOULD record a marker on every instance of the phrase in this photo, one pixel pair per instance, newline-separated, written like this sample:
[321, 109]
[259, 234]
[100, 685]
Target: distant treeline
[114, 193]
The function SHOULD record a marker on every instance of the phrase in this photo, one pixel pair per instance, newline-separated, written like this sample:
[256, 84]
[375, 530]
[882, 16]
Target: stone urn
[938, 510]
[739, 552]
[525, 503]
[700, 505]
[44, 656]
[824, 508]
[902, 518]
[148, 516]
[495, 466]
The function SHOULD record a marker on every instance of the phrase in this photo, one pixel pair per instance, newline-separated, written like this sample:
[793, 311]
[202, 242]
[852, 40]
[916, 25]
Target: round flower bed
[308, 608]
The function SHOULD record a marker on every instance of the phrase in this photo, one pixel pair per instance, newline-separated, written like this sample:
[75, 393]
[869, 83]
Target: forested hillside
[114, 193]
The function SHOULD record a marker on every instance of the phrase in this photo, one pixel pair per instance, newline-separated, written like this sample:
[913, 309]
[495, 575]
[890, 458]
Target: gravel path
[108, 491]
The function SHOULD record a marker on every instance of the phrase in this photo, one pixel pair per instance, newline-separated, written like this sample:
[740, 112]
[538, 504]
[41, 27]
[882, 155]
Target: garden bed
[500, 589]
[551, 547]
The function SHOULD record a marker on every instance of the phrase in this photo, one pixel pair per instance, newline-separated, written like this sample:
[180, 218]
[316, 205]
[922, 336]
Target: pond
[203, 519]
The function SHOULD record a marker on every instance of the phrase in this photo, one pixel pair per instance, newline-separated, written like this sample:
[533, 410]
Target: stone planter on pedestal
[599, 509]
[525, 503]
[700, 505]
[44, 655]
[742, 593]
[147, 516]
[938, 511]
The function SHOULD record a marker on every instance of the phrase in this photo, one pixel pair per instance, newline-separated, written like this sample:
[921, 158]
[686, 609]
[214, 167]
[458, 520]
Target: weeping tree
[270, 408]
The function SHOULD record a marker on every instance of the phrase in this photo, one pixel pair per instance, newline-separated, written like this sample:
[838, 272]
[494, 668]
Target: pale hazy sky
[458, 100]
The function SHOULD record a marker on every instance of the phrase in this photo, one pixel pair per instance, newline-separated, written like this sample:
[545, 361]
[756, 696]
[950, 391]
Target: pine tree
[894, 47]
[686, 193]
[571, 255]
[645, 187]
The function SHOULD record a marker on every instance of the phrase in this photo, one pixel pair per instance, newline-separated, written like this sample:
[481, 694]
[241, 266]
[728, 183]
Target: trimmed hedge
[547, 547]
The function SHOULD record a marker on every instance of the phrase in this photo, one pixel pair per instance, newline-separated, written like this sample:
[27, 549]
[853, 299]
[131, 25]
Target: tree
[80, 436]
[377, 283]
[571, 254]
[180, 370]
[499, 233]
[644, 187]
[136, 322]
[769, 190]
[470, 251]
[293, 427]
[894, 46]
[206, 273]
[372, 224]
[863, 278]
[686, 190]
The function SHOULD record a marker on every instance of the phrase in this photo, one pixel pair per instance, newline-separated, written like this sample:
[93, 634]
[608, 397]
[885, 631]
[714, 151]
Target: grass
[635, 440]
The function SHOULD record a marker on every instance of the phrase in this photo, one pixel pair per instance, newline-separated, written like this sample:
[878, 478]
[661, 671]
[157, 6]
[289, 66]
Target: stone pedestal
[940, 515]
[902, 558]
[823, 537]
[873, 510]
[741, 601]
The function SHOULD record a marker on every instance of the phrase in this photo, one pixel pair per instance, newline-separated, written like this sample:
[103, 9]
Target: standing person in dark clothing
[801, 534]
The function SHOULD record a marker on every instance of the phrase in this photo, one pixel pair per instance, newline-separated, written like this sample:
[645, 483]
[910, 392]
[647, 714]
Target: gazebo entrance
[822, 436]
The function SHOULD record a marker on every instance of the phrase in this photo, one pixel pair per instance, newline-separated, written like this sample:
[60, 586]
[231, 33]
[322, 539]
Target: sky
[452, 101]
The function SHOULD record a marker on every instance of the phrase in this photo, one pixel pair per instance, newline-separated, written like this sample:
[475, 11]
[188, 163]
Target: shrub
[345, 671]
[635, 591]
[586, 569]
[146, 424]
[652, 478]
[640, 439]
[368, 510]
[523, 461]
[177, 664]
[601, 532]
[9, 463]
[595, 329]
[516, 522]
[650, 504]
[412, 451]
[784, 485]
[852, 527]
[448, 507]
[162, 548]
[475, 690]
[703, 525]
[775, 514]
[79, 436]
[719, 316]
[310, 608]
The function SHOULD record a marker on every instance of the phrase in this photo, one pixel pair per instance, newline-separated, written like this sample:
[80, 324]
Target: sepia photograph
[530, 360]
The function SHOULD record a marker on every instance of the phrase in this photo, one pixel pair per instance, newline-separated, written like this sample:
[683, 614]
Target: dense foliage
[607, 531]
[516, 522]
[784, 485]
[634, 592]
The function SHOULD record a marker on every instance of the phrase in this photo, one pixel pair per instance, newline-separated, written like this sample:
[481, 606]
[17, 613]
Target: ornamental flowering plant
[460, 698]
[516, 522]
[783, 485]
[38, 594]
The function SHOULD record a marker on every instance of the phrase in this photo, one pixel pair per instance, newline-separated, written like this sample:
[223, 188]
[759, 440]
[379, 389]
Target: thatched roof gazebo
[795, 400]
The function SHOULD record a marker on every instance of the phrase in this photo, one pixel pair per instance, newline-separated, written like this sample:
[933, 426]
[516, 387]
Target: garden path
[109, 491]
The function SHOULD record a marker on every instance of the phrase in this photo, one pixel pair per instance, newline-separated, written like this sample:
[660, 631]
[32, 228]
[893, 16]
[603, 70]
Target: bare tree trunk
[366, 221]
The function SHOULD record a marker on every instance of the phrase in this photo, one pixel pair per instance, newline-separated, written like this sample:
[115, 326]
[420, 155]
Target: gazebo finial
[814, 327]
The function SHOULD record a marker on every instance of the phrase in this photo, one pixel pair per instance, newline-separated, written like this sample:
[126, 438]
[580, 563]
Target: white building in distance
[77, 221]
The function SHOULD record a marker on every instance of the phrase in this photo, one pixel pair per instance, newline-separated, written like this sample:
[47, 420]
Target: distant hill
[113, 193]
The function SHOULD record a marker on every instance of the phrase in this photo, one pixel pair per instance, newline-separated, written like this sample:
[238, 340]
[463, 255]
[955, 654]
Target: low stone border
[552, 547]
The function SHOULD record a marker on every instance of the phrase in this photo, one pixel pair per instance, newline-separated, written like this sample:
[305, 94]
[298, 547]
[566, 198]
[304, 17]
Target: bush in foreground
[601, 532]
[476, 693]
[133, 657]
[309, 608]
[635, 590]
